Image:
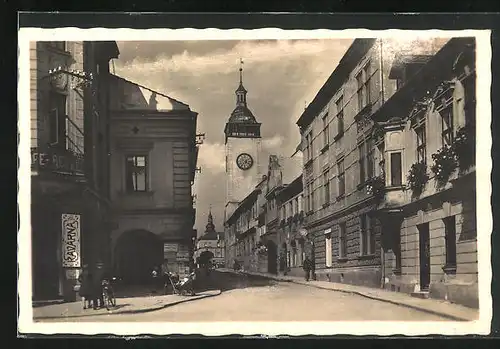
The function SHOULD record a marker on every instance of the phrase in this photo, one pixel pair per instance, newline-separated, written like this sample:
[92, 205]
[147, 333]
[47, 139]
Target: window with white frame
[447, 125]
[340, 115]
[363, 80]
[326, 186]
[326, 131]
[421, 137]
[328, 249]
[341, 177]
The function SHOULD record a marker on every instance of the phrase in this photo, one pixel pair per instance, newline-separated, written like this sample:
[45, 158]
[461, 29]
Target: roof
[437, 69]
[292, 189]
[348, 62]
[250, 198]
[212, 236]
[403, 59]
[137, 96]
[241, 114]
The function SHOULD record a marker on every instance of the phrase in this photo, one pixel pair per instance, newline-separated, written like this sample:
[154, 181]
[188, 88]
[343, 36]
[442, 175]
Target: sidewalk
[123, 306]
[432, 306]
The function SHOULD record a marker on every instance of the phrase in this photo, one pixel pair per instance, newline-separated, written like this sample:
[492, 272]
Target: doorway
[425, 260]
[272, 256]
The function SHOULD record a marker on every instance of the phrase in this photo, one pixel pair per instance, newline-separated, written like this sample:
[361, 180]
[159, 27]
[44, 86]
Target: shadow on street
[228, 281]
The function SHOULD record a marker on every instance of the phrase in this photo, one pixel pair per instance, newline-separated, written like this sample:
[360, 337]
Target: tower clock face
[244, 161]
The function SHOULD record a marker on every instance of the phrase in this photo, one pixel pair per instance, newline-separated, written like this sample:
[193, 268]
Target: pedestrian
[85, 280]
[307, 268]
[99, 275]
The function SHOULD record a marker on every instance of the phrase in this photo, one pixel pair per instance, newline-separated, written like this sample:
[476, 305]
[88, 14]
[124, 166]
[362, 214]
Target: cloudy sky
[280, 76]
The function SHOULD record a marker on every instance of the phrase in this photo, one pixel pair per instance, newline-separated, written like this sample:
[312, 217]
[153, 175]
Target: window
[328, 250]
[309, 149]
[136, 173]
[366, 164]
[326, 182]
[312, 197]
[421, 140]
[447, 126]
[470, 100]
[326, 131]
[396, 170]
[451, 242]
[57, 120]
[361, 161]
[363, 80]
[342, 240]
[341, 176]
[340, 115]
[367, 236]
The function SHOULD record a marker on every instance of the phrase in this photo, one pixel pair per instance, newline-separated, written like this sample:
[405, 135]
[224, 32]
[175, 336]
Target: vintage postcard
[254, 182]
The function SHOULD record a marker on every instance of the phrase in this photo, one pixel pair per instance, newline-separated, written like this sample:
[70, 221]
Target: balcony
[57, 160]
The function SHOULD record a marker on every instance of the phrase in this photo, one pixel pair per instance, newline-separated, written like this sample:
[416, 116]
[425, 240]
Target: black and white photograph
[274, 182]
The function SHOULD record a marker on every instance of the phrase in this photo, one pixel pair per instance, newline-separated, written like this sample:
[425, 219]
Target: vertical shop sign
[70, 240]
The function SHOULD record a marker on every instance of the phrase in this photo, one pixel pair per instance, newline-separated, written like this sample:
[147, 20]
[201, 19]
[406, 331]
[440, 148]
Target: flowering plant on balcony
[376, 186]
[445, 163]
[417, 177]
[260, 248]
[464, 147]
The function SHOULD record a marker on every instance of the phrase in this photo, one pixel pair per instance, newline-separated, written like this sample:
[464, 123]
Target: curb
[410, 306]
[138, 311]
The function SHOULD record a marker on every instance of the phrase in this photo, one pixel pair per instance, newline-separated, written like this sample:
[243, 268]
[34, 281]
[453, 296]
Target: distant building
[293, 245]
[70, 213]
[153, 163]
[210, 246]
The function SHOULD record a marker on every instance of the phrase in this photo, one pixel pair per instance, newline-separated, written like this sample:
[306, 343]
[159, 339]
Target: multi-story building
[153, 163]
[210, 246]
[341, 162]
[291, 240]
[427, 203]
[70, 217]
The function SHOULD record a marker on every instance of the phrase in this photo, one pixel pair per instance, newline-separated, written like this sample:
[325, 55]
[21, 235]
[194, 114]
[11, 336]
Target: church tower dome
[242, 122]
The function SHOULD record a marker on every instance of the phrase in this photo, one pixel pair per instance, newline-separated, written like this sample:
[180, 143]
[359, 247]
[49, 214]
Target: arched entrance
[283, 258]
[136, 253]
[205, 258]
[272, 256]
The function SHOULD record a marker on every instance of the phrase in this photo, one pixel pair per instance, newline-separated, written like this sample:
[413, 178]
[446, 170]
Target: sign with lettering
[57, 160]
[71, 240]
[170, 248]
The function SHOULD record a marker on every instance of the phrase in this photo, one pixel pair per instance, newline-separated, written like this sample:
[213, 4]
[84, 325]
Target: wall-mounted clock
[244, 161]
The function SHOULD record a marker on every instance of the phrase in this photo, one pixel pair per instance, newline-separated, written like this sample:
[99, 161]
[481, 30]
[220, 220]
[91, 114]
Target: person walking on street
[307, 268]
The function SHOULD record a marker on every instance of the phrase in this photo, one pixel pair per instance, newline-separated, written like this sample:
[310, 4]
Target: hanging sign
[70, 240]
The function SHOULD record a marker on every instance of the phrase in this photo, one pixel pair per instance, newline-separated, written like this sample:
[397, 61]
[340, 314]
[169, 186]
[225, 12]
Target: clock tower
[243, 151]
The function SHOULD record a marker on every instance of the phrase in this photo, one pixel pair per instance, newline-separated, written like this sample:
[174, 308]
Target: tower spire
[241, 71]
[210, 224]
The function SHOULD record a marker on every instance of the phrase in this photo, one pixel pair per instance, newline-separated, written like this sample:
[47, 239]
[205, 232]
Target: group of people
[91, 286]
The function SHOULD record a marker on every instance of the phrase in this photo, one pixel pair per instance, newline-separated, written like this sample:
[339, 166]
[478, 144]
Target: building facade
[69, 208]
[210, 247]
[292, 242]
[427, 206]
[153, 164]
[341, 162]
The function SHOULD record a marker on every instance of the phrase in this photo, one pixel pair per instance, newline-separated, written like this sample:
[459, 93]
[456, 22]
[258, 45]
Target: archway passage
[205, 258]
[137, 252]
[272, 257]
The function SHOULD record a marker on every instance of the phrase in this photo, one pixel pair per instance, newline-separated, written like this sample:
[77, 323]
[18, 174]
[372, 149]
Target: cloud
[280, 76]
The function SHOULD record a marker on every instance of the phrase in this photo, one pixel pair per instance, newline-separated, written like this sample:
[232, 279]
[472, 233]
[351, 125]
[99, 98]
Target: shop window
[367, 236]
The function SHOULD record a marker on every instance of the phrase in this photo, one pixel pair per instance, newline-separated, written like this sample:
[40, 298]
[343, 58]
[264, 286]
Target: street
[243, 299]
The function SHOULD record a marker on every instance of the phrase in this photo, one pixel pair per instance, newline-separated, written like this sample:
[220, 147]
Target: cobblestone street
[259, 299]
